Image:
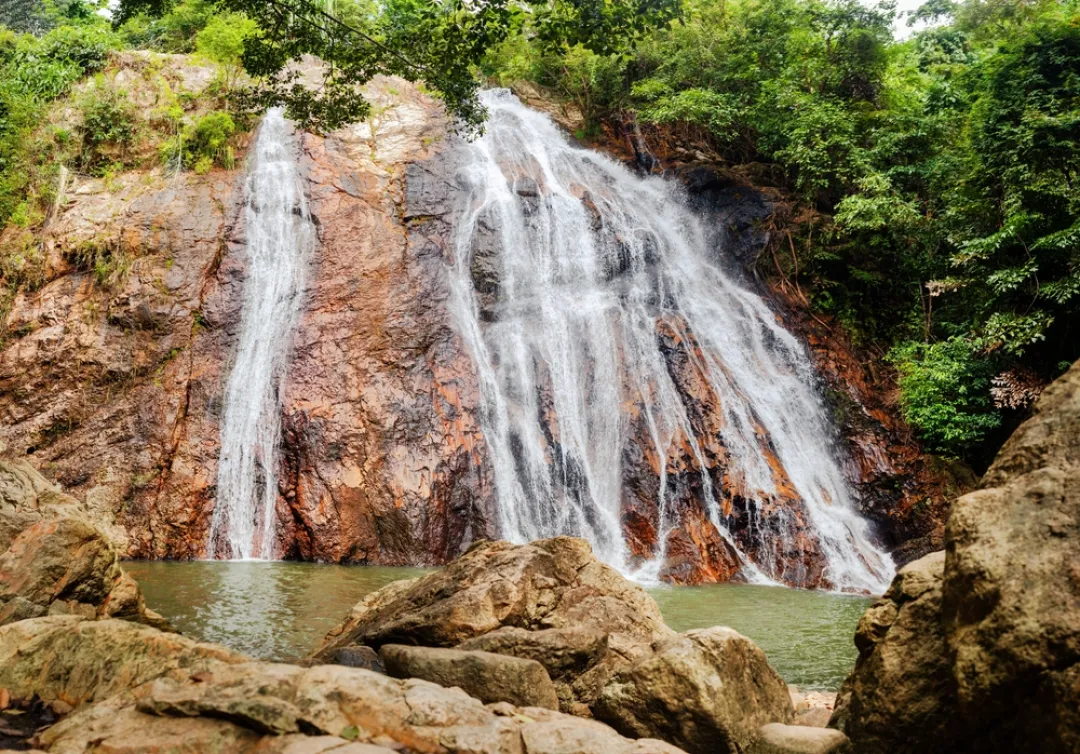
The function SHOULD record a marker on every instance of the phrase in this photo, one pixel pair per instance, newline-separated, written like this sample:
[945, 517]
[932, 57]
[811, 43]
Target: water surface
[281, 610]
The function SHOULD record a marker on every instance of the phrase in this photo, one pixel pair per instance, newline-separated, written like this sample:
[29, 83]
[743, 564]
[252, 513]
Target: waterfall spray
[590, 259]
[280, 239]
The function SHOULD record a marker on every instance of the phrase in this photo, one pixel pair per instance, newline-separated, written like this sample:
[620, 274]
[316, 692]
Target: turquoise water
[280, 611]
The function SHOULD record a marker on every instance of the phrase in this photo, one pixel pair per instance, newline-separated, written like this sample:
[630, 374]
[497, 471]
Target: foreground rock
[705, 691]
[136, 689]
[775, 738]
[979, 650]
[599, 638]
[575, 615]
[1011, 601]
[53, 561]
[486, 676]
[901, 698]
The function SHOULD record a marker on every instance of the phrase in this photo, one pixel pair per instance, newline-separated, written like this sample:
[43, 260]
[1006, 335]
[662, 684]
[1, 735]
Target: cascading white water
[280, 236]
[589, 257]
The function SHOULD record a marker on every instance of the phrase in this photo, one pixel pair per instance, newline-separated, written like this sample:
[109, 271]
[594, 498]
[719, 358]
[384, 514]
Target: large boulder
[136, 689]
[707, 691]
[486, 676]
[67, 566]
[1011, 602]
[550, 583]
[900, 698]
[583, 617]
[979, 650]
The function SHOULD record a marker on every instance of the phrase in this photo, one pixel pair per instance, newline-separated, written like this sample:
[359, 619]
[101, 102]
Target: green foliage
[439, 44]
[108, 127]
[208, 142]
[222, 40]
[945, 391]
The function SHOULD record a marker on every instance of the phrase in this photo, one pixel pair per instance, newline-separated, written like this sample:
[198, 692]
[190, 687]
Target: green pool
[280, 611]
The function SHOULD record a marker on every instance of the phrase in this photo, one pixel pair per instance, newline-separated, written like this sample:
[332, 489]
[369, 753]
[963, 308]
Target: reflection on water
[269, 610]
[280, 611]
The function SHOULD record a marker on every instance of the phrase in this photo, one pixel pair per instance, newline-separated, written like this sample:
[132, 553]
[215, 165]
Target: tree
[437, 43]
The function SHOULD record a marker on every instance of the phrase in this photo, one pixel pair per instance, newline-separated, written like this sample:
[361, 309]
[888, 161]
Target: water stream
[279, 241]
[578, 262]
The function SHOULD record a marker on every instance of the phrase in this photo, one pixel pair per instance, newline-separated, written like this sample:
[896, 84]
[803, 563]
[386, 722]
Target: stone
[569, 655]
[66, 566]
[136, 690]
[563, 652]
[776, 738]
[486, 676]
[706, 691]
[549, 584]
[901, 698]
[358, 656]
[1011, 597]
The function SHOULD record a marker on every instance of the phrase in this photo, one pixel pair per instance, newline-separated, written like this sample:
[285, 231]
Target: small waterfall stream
[280, 238]
[583, 261]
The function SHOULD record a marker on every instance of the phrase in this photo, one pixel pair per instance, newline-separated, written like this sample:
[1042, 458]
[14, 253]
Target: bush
[108, 127]
[945, 394]
[209, 142]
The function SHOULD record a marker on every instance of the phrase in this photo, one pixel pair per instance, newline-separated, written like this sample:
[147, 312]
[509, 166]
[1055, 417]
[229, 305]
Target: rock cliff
[113, 384]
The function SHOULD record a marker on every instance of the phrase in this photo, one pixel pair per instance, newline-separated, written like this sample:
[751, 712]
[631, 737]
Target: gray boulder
[483, 675]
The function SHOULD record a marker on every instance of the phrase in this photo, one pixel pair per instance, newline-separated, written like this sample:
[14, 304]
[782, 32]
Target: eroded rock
[139, 690]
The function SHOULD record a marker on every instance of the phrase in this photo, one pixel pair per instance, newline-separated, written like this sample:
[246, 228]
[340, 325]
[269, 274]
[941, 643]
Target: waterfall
[565, 266]
[280, 237]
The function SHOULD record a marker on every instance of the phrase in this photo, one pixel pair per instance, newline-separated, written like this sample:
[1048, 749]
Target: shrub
[108, 127]
[945, 394]
[209, 142]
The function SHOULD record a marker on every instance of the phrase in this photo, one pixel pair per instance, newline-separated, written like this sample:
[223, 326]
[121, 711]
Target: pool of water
[280, 611]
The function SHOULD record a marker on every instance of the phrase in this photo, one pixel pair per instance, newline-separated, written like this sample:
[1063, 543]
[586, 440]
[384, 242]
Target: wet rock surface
[115, 386]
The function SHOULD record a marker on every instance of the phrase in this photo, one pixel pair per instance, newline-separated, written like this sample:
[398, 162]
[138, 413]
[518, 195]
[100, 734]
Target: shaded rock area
[978, 649]
[55, 562]
[553, 608]
[901, 697]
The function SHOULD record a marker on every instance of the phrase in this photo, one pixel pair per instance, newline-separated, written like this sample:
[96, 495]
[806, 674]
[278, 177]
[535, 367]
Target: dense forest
[931, 174]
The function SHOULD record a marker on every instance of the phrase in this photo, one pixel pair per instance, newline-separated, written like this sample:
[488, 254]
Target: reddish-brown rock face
[116, 389]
